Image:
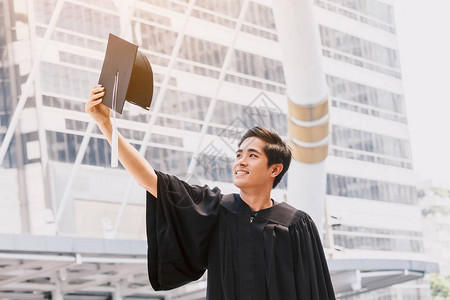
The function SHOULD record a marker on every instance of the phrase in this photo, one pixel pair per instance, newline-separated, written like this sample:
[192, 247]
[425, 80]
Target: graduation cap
[126, 76]
[134, 75]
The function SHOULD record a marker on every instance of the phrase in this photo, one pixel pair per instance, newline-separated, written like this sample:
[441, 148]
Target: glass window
[366, 95]
[230, 7]
[67, 81]
[258, 66]
[385, 60]
[80, 19]
[212, 54]
[353, 187]
[374, 243]
[370, 12]
[260, 15]
[385, 146]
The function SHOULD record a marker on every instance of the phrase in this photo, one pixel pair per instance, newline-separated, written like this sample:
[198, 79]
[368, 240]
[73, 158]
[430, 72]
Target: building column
[307, 94]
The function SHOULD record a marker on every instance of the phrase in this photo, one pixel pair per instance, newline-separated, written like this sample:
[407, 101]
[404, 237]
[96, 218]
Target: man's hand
[130, 158]
[97, 110]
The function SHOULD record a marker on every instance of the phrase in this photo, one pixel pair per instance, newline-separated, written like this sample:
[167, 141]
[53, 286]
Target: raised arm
[130, 158]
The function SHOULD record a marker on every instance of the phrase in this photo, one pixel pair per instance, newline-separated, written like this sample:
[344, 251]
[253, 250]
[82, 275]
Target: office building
[207, 57]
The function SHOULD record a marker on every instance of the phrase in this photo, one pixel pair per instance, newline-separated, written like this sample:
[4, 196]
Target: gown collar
[281, 213]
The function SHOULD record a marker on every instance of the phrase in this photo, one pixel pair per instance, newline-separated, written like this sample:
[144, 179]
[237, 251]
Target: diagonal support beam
[223, 72]
[77, 163]
[67, 288]
[91, 273]
[45, 270]
[34, 70]
[30, 287]
[87, 136]
[156, 108]
[145, 290]
[20, 266]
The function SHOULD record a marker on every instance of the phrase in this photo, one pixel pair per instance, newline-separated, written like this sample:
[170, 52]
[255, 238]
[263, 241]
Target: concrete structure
[307, 97]
[55, 267]
[218, 70]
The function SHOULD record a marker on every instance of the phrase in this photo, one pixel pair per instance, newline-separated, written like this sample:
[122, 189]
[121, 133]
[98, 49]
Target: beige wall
[97, 219]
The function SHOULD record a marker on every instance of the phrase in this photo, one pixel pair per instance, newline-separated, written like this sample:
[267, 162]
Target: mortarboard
[135, 76]
[126, 75]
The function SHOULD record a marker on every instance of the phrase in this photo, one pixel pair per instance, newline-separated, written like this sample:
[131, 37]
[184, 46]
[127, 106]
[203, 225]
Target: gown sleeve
[312, 276]
[179, 224]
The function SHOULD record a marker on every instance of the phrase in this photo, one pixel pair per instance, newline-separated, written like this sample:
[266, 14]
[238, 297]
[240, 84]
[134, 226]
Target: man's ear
[276, 169]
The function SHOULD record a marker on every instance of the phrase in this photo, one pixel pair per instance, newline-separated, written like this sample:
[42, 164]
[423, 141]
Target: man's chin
[237, 183]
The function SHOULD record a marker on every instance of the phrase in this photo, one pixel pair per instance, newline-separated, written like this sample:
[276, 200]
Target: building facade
[217, 70]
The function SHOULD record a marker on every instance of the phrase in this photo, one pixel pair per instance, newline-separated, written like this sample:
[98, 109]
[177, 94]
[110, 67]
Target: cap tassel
[115, 133]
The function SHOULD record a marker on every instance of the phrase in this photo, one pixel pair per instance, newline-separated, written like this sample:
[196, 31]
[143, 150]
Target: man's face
[250, 165]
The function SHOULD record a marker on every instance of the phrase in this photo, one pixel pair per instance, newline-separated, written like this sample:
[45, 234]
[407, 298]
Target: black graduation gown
[271, 254]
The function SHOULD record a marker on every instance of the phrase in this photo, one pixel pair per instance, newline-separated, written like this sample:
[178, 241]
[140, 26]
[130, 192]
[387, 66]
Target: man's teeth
[241, 172]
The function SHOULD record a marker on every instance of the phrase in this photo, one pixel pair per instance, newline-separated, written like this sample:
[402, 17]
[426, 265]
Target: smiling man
[252, 246]
[254, 173]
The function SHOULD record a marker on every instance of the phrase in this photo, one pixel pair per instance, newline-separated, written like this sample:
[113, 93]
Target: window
[354, 50]
[353, 187]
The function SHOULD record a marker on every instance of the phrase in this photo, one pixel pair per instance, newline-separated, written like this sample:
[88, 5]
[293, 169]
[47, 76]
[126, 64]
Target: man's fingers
[96, 96]
[88, 107]
[96, 89]
[91, 104]
[99, 95]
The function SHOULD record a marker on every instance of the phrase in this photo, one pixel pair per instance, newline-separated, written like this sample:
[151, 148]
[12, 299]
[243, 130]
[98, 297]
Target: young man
[252, 246]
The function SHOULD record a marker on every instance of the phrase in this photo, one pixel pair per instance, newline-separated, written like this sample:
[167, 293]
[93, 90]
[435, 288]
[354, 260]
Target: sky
[423, 29]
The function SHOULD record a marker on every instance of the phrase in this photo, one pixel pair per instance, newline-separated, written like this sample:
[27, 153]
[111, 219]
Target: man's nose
[241, 161]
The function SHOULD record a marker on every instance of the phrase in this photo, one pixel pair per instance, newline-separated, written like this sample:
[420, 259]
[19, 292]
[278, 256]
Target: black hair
[276, 150]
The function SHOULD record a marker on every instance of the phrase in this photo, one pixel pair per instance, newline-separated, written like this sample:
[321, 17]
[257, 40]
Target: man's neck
[256, 200]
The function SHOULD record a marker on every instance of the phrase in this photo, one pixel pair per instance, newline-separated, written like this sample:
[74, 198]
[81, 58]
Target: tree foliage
[440, 287]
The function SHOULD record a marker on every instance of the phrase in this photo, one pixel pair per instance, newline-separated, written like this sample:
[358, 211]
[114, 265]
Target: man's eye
[253, 155]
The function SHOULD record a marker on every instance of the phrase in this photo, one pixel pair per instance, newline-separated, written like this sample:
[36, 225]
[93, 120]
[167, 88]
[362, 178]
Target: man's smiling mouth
[241, 172]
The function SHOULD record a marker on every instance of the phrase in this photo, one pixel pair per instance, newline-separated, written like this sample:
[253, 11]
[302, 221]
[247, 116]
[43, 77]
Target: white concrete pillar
[56, 293]
[299, 38]
[117, 295]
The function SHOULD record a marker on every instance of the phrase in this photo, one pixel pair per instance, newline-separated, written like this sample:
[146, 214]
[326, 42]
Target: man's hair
[276, 150]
